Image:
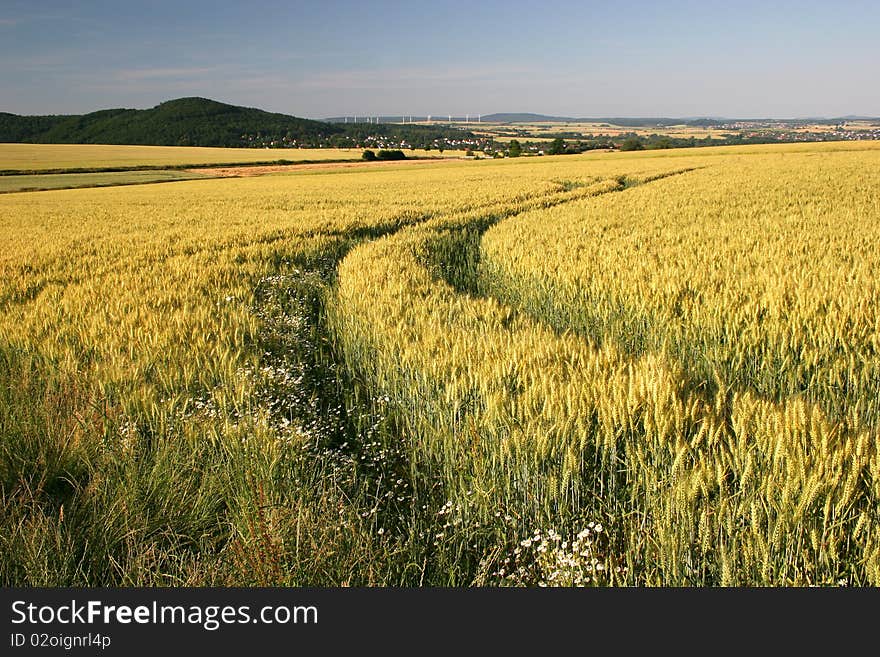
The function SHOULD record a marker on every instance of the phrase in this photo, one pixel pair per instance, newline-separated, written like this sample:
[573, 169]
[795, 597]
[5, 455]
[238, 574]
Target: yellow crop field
[37, 157]
[751, 287]
[613, 368]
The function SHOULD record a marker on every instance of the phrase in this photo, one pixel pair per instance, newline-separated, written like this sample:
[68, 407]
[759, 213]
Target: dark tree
[632, 144]
[391, 155]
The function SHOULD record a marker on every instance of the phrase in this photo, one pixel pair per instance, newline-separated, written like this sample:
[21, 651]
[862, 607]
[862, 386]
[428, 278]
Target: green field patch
[43, 182]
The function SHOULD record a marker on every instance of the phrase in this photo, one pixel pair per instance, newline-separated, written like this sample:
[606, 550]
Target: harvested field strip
[40, 182]
[83, 158]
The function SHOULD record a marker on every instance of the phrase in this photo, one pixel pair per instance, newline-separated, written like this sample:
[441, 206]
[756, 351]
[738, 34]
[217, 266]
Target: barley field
[639, 369]
[40, 157]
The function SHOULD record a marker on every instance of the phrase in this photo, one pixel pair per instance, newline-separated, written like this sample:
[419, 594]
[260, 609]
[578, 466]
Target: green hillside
[15, 128]
[181, 122]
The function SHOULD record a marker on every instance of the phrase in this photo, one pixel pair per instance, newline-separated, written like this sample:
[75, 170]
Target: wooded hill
[204, 122]
[181, 122]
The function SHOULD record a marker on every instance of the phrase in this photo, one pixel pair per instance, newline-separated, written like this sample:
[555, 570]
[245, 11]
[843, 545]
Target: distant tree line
[15, 129]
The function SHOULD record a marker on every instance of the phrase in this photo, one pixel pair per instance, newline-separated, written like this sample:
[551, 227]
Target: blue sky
[318, 59]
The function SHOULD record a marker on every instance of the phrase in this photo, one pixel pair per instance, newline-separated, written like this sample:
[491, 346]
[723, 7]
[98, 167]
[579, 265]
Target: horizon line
[473, 116]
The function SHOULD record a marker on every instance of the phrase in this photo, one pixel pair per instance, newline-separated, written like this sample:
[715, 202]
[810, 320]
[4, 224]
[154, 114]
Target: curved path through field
[520, 419]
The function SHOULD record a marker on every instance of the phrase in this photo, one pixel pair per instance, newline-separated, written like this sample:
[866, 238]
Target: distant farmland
[39, 157]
